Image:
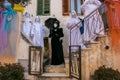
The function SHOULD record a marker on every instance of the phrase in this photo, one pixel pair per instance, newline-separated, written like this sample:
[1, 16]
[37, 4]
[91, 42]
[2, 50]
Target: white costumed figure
[37, 32]
[27, 25]
[93, 24]
[75, 37]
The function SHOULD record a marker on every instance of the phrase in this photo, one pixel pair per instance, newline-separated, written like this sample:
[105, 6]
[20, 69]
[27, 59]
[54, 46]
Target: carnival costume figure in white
[37, 36]
[37, 33]
[27, 24]
[75, 37]
[93, 24]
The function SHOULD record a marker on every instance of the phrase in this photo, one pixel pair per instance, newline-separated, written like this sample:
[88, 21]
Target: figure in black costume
[56, 44]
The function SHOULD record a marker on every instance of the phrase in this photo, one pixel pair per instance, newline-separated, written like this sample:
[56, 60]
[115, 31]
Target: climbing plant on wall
[22, 2]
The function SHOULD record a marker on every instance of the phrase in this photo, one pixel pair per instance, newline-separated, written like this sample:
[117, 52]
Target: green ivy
[12, 71]
[104, 73]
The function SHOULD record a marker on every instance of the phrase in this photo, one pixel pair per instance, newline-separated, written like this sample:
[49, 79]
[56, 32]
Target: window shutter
[39, 7]
[46, 6]
[43, 7]
[66, 7]
[82, 1]
[75, 5]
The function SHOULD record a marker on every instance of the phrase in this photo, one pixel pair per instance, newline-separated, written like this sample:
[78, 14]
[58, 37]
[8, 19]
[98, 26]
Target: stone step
[55, 76]
[55, 69]
[58, 78]
[102, 35]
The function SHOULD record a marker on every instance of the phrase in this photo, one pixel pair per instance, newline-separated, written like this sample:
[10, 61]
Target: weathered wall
[106, 57]
[55, 9]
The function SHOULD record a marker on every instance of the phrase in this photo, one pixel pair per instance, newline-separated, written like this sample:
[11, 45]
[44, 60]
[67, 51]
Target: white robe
[37, 32]
[75, 38]
[93, 25]
[27, 26]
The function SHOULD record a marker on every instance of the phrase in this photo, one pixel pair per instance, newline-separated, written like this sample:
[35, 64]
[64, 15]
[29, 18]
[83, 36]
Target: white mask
[37, 19]
[73, 14]
[27, 14]
[55, 25]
